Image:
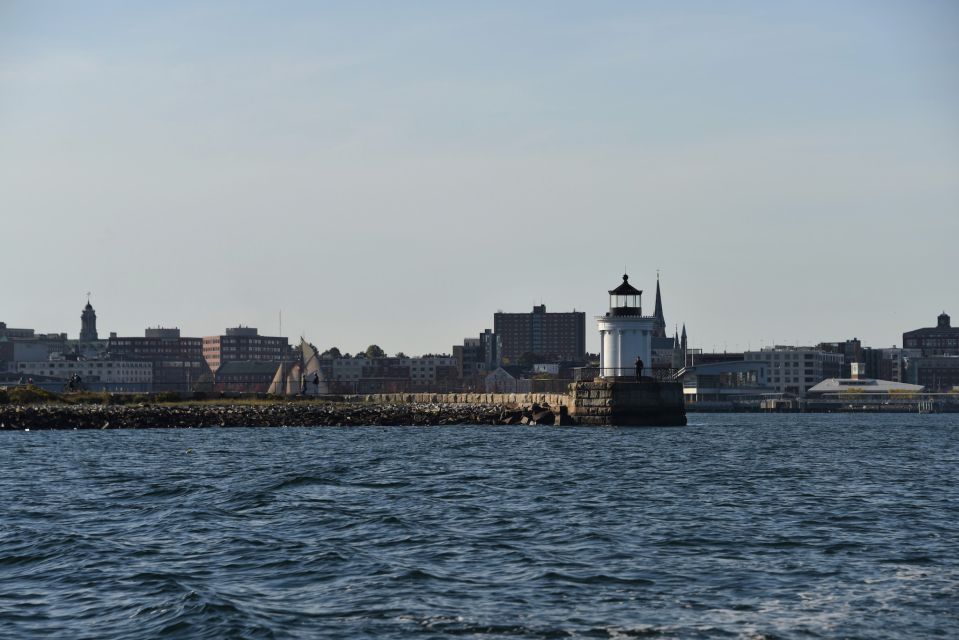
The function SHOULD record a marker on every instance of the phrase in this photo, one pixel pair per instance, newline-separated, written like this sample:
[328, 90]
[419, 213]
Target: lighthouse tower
[625, 333]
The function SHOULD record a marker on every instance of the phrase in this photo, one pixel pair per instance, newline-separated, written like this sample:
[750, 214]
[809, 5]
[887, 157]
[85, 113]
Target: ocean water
[737, 526]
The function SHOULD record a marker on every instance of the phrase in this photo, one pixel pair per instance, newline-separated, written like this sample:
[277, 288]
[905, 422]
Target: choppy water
[736, 526]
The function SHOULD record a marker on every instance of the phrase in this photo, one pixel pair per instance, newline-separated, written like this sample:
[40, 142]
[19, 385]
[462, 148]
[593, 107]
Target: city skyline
[397, 175]
[106, 331]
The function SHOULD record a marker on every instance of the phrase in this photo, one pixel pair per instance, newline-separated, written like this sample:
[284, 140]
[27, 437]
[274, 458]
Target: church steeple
[88, 323]
[658, 312]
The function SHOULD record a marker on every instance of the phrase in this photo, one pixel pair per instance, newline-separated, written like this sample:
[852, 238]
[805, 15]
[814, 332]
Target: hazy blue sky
[397, 172]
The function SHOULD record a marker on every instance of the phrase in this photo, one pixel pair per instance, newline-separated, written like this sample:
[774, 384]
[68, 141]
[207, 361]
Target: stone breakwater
[292, 414]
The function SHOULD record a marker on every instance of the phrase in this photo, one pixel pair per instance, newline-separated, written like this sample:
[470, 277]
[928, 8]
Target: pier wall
[600, 402]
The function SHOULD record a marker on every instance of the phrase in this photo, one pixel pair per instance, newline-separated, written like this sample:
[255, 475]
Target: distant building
[507, 379]
[26, 344]
[795, 370]
[477, 356]
[941, 340]
[665, 352]
[96, 375]
[348, 369]
[14, 334]
[696, 357]
[88, 323]
[240, 344]
[936, 373]
[559, 336]
[392, 374]
[851, 350]
[178, 362]
[887, 364]
[433, 371]
[839, 387]
[247, 376]
[727, 381]
[878, 364]
[549, 368]
[660, 326]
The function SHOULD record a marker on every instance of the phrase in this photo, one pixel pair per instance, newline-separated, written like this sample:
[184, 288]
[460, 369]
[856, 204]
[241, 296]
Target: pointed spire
[658, 313]
[659, 302]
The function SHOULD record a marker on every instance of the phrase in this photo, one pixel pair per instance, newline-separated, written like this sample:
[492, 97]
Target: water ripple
[737, 526]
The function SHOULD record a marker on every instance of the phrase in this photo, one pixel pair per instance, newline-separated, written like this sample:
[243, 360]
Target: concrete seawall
[599, 402]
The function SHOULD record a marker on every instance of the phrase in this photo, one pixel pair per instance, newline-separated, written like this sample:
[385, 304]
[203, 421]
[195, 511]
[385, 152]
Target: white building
[625, 333]
[839, 387]
[795, 370]
[113, 375]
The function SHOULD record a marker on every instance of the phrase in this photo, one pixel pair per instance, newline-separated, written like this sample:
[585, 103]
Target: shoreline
[313, 413]
[273, 414]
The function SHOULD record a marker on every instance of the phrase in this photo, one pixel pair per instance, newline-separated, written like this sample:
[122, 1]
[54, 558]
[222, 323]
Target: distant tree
[332, 352]
[374, 351]
[401, 355]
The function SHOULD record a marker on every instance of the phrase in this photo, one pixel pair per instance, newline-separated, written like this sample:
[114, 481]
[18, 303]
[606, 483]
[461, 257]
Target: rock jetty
[279, 414]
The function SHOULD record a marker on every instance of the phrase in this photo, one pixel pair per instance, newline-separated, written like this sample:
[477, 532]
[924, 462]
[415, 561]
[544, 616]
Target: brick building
[555, 336]
[241, 344]
[941, 340]
[178, 362]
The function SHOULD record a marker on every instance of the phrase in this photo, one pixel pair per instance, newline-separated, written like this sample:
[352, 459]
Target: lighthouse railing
[650, 374]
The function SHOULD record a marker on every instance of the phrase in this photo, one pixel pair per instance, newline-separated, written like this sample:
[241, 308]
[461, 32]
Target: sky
[395, 173]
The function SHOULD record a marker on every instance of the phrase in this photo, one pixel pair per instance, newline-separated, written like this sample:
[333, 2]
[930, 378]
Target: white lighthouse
[625, 333]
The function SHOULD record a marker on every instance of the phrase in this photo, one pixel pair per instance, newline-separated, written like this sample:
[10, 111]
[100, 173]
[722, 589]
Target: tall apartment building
[795, 370]
[558, 336]
[244, 344]
[178, 362]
